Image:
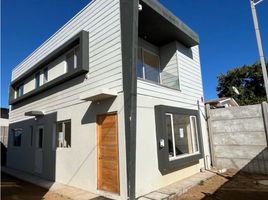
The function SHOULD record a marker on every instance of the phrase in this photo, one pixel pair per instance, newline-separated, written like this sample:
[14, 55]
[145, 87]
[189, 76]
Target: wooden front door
[108, 161]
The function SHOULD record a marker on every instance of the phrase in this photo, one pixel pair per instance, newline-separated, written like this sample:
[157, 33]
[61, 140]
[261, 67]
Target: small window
[45, 78]
[31, 135]
[40, 138]
[37, 80]
[63, 134]
[72, 59]
[17, 134]
[19, 91]
[77, 57]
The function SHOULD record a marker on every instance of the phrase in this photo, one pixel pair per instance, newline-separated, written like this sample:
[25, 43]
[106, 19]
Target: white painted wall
[148, 176]
[57, 68]
[76, 166]
[4, 122]
[29, 85]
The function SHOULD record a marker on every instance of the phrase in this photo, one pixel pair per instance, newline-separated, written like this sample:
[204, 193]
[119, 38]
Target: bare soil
[15, 189]
[231, 185]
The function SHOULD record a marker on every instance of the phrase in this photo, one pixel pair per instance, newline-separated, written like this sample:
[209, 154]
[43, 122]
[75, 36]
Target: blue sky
[225, 28]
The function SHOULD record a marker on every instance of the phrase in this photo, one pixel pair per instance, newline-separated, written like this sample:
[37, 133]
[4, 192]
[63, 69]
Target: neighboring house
[111, 103]
[222, 102]
[4, 126]
[3, 133]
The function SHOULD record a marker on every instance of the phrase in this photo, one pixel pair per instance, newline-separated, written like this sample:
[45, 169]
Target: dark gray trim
[129, 42]
[35, 113]
[168, 23]
[164, 164]
[83, 66]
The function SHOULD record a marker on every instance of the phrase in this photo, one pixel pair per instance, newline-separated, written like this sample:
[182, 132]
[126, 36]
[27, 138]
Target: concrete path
[177, 188]
[58, 188]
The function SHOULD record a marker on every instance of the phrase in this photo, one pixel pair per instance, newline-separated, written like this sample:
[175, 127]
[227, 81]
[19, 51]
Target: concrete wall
[238, 136]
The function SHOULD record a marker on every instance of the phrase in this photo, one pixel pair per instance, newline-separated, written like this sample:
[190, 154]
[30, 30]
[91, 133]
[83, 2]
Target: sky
[225, 28]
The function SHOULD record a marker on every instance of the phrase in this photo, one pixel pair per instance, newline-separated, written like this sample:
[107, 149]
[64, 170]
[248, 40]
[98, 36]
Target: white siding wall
[148, 176]
[101, 18]
[56, 68]
[29, 84]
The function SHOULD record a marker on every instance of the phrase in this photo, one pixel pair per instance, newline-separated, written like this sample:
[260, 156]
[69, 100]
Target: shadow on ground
[13, 189]
[241, 186]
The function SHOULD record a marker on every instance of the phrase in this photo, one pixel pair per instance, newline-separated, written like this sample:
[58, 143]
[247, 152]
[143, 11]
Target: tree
[249, 82]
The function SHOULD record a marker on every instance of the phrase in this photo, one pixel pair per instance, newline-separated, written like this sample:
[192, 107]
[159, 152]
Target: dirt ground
[229, 186]
[15, 189]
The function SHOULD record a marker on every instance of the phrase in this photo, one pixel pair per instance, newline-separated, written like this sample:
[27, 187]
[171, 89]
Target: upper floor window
[45, 77]
[19, 90]
[37, 79]
[148, 65]
[72, 59]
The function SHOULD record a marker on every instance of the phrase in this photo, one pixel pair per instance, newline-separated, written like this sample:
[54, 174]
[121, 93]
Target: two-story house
[112, 102]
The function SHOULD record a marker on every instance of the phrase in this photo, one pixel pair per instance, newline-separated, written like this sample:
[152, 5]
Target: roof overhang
[98, 95]
[35, 113]
[159, 26]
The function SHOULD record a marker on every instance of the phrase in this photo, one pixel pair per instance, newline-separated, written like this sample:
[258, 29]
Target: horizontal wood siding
[101, 18]
[190, 80]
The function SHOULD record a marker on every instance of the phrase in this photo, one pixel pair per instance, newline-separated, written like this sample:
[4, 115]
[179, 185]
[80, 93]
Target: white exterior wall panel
[148, 176]
[101, 18]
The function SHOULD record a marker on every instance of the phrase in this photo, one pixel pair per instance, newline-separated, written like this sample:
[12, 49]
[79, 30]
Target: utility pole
[258, 36]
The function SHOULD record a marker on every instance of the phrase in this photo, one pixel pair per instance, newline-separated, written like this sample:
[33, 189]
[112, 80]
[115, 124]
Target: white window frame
[73, 52]
[63, 130]
[143, 67]
[175, 157]
[45, 78]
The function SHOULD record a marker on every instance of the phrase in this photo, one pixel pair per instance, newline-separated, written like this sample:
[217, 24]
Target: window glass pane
[59, 130]
[67, 133]
[151, 66]
[70, 61]
[31, 135]
[194, 133]
[17, 137]
[40, 138]
[37, 80]
[77, 57]
[140, 64]
[63, 134]
[182, 134]
[20, 90]
[169, 133]
[45, 75]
